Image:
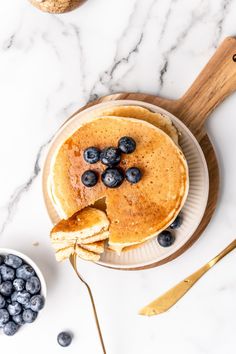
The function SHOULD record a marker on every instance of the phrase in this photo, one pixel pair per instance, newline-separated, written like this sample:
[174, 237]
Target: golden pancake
[136, 212]
[159, 120]
[82, 225]
[96, 247]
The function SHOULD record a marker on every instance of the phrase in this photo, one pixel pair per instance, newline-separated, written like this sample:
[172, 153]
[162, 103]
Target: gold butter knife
[168, 299]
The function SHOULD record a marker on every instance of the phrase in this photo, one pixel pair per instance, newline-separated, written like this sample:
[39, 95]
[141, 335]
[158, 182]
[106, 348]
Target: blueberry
[89, 178]
[23, 297]
[112, 177]
[2, 301]
[92, 155]
[1, 259]
[176, 223]
[33, 285]
[127, 144]
[29, 316]
[7, 273]
[25, 272]
[8, 300]
[110, 156]
[18, 319]
[6, 288]
[13, 261]
[133, 175]
[64, 339]
[37, 303]
[14, 296]
[10, 328]
[165, 238]
[4, 316]
[19, 284]
[14, 308]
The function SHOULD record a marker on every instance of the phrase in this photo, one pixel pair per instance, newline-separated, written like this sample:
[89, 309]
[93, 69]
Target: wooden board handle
[216, 81]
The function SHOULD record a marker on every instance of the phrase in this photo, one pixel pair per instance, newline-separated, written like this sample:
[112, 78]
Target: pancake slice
[96, 247]
[88, 225]
[64, 253]
[95, 238]
[82, 225]
[86, 255]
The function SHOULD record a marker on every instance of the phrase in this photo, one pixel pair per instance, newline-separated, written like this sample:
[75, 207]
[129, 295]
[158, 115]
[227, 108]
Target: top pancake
[136, 212]
[158, 120]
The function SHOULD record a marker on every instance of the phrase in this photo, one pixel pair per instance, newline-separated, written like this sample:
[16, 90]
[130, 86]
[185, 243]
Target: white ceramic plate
[192, 212]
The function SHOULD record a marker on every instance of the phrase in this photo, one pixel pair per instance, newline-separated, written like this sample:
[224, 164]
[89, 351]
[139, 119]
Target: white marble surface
[50, 66]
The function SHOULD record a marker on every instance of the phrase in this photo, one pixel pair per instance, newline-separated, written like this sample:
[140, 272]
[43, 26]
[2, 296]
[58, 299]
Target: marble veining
[50, 65]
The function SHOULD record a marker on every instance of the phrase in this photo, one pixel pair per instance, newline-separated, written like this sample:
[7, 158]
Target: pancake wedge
[88, 225]
[64, 253]
[136, 212]
[82, 225]
[96, 247]
[86, 255]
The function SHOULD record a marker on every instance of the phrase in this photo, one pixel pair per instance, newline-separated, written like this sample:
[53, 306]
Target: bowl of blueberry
[22, 291]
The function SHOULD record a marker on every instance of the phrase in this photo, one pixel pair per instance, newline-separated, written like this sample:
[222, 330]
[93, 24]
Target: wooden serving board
[216, 81]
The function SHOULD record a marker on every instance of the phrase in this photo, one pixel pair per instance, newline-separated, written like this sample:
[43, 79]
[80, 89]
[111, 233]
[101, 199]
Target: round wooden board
[216, 81]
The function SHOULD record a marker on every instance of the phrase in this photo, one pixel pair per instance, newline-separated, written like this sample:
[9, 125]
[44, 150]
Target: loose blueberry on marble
[127, 144]
[37, 303]
[14, 308]
[2, 302]
[176, 223]
[13, 261]
[10, 328]
[165, 238]
[33, 285]
[92, 155]
[7, 273]
[64, 339]
[4, 316]
[133, 175]
[112, 177]
[25, 272]
[23, 297]
[89, 178]
[29, 316]
[18, 319]
[6, 288]
[19, 284]
[110, 156]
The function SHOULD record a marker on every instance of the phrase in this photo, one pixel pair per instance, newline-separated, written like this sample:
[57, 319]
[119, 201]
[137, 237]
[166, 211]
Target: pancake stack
[136, 212]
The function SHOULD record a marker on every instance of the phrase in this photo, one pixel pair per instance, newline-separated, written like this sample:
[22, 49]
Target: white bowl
[26, 259]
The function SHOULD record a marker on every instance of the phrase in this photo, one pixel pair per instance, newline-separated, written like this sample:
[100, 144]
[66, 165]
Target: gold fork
[168, 299]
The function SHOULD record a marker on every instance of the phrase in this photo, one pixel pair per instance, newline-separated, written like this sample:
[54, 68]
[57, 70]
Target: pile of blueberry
[166, 237]
[20, 299]
[112, 176]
